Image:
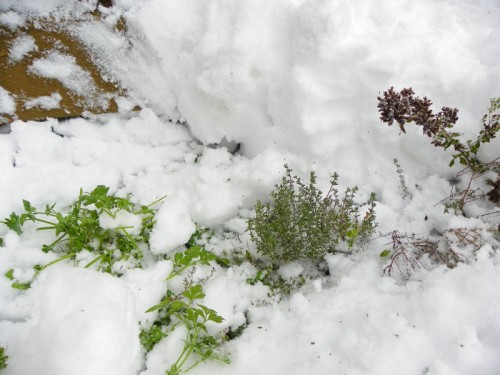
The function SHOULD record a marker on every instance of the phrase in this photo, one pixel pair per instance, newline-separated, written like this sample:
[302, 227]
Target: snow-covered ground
[294, 82]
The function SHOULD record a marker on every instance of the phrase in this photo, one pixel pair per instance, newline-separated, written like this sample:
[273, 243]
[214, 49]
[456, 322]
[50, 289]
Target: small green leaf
[192, 315]
[47, 248]
[99, 192]
[28, 207]
[176, 306]
[211, 314]
[195, 292]
[206, 257]
[14, 223]
[352, 233]
[9, 274]
[193, 252]
[163, 303]
[385, 253]
[21, 286]
[186, 258]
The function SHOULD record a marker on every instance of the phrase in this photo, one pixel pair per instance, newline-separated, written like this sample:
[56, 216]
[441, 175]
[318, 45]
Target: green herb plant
[3, 358]
[303, 224]
[79, 229]
[185, 309]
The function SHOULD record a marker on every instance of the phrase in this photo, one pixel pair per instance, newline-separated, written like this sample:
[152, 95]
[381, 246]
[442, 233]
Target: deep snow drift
[292, 81]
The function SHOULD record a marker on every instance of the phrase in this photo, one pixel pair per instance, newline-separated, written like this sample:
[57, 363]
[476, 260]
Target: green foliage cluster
[79, 229]
[184, 309]
[302, 224]
[3, 358]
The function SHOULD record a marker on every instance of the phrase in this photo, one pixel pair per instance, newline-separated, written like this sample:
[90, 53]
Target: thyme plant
[303, 224]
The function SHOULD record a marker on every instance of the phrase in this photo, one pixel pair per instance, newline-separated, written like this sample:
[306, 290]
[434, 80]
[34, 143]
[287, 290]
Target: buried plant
[404, 108]
[112, 229]
[454, 246]
[302, 224]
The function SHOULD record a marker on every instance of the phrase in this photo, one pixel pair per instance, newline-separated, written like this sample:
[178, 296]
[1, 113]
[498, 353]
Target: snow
[21, 46]
[82, 316]
[64, 68]
[173, 227]
[45, 102]
[22, 10]
[259, 71]
[407, 329]
[7, 103]
[121, 220]
[148, 287]
[291, 270]
[12, 20]
[292, 81]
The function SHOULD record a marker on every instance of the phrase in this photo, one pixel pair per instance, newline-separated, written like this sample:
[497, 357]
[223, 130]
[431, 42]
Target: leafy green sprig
[185, 309]
[190, 257]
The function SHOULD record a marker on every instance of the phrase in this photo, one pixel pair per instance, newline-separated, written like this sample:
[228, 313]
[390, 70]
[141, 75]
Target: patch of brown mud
[24, 85]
